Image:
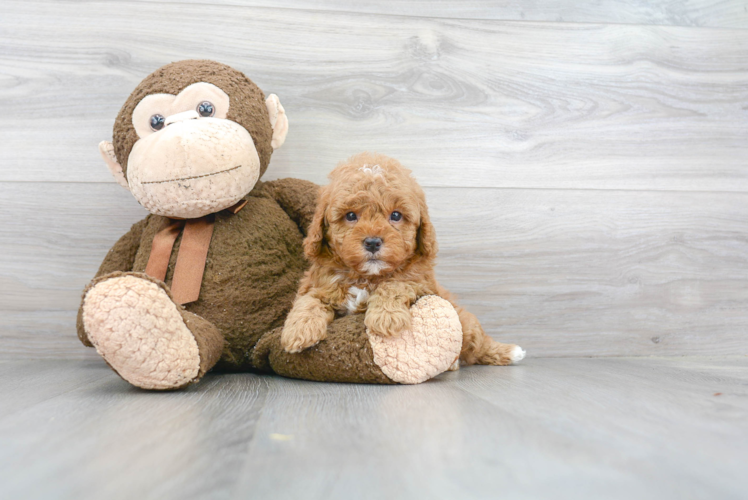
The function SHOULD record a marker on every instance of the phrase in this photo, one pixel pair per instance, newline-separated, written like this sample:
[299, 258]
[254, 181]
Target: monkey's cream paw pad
[139, 331]
[429, 348]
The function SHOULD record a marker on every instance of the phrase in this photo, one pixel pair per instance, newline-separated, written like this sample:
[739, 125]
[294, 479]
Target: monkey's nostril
[372, 244]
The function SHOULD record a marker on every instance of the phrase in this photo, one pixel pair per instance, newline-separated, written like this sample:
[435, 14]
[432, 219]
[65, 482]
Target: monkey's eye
[396, 216]
[351, 217]
[157, 122]
[206, 109]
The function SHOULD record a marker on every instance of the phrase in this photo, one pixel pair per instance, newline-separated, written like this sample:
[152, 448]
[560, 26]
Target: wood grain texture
[587, 180]
[467, 103]
[647, 428]
[148, 445]
[560, 272]
[598, 273]
[705, 13]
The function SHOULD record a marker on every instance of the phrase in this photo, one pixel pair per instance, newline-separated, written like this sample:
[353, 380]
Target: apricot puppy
[372, 249]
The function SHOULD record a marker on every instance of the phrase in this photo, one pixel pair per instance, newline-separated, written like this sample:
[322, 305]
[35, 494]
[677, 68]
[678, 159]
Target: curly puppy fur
[372, 247]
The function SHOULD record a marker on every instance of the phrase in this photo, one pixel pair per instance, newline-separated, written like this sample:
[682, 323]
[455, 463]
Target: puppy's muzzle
[373, 245]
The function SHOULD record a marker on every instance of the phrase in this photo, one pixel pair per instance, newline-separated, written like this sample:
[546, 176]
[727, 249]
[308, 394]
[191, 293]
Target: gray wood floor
[585, 428]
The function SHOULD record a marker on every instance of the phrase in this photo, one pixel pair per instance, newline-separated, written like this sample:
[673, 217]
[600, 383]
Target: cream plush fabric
[138, 330]
[429, 348]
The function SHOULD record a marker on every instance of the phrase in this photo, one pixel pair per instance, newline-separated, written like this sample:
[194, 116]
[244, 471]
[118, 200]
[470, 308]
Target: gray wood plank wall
[584, 163]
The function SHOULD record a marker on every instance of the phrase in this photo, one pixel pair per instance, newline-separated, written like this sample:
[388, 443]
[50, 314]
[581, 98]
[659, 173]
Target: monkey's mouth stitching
[193, 177]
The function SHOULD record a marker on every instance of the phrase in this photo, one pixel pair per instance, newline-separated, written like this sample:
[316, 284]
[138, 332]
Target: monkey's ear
[278, 120]
[107, 153]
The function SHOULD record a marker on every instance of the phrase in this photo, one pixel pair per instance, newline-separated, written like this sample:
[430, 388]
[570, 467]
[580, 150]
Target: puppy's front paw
[302, 333]
[387, 323]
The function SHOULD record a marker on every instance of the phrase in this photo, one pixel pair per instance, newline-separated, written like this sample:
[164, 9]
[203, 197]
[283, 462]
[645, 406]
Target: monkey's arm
[122, 255]
[298, 198]
[119, 258]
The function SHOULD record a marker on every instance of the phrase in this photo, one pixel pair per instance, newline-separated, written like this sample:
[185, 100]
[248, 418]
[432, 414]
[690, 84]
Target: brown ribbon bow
[193, 251]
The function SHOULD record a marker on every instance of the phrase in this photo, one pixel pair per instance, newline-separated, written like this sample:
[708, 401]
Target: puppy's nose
[372, 244]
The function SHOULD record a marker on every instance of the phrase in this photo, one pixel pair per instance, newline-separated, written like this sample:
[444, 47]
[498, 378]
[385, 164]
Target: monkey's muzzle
[192, 168]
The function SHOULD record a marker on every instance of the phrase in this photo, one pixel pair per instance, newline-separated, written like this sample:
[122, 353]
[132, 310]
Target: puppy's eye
[396, 216]
[206, 109]
[351, 217]
[157, 122]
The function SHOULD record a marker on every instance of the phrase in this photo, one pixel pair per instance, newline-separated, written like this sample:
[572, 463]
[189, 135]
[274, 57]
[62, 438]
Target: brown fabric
[163, 243]
[252, 270]
[209, 340]
[80, 329]
[297, 198]
[122, 255]
[190, 265]
[246, 103]
[345, 356]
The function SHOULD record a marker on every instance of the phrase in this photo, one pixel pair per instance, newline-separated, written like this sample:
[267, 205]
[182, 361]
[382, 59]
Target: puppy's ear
[314, 243]
[426, 245]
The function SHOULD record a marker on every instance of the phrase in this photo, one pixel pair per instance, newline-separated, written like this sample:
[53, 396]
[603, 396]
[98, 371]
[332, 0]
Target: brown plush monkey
[207, 279]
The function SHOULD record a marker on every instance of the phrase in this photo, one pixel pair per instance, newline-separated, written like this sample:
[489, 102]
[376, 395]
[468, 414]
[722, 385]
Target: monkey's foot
[141, 333]
[430, 347]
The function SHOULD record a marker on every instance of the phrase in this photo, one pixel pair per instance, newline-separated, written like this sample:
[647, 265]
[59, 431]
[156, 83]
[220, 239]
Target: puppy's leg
[478, 348]
[388, 312]
[306, 324]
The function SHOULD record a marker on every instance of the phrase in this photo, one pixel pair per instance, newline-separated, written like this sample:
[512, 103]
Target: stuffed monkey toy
[206, 280]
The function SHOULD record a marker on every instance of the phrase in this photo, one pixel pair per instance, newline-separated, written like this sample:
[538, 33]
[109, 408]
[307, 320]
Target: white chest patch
[374, 267]
[357, 299]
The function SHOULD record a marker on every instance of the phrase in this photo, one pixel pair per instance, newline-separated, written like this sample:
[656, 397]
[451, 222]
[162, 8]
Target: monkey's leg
[351, 354]
[149, 340]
